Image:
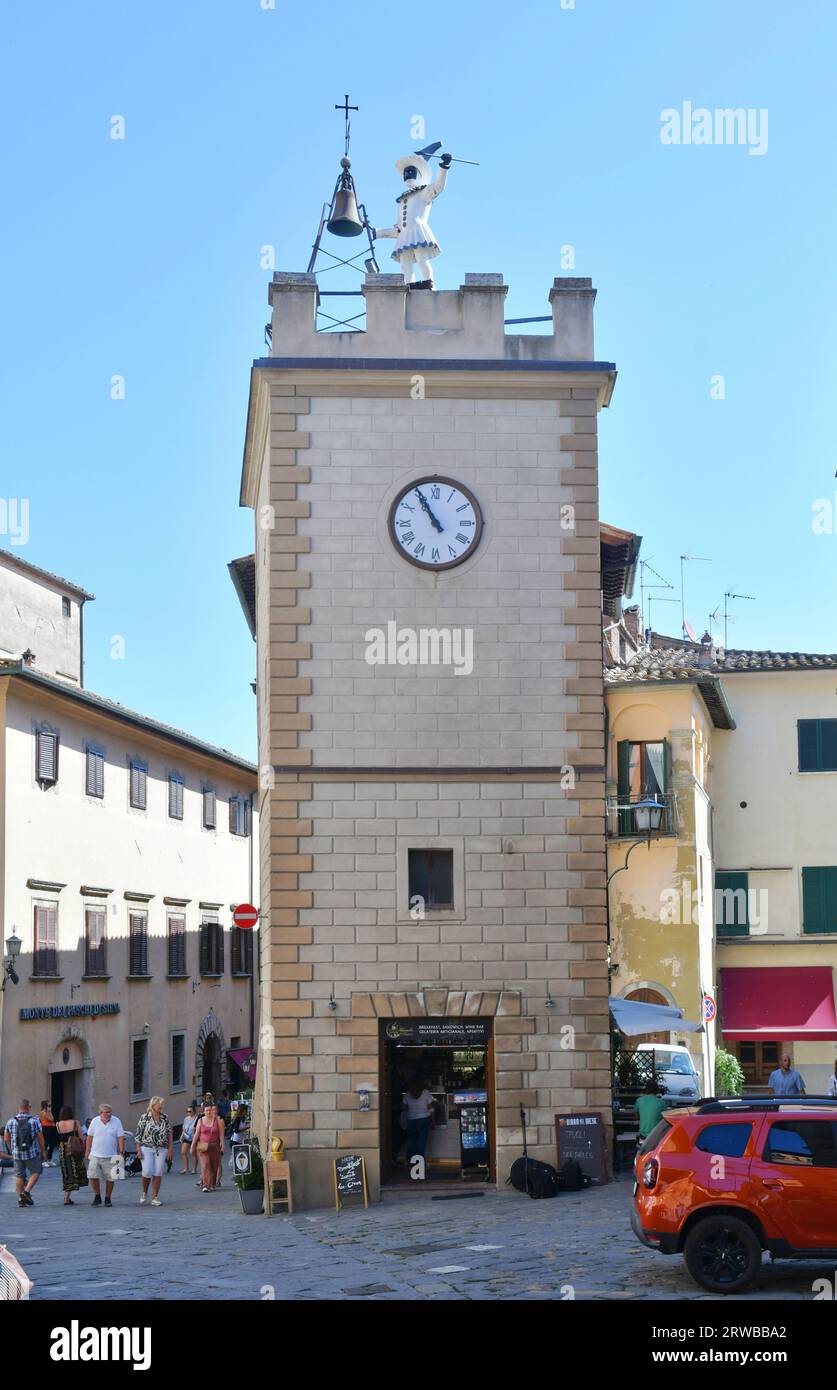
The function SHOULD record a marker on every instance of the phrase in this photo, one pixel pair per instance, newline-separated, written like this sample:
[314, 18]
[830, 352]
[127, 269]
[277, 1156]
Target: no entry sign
[246, 916]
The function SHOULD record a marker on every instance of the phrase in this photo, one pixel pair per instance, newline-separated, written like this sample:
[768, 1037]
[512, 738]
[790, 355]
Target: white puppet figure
[415, 244]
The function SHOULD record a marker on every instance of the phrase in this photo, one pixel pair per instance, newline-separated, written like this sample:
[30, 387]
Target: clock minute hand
[423, 500]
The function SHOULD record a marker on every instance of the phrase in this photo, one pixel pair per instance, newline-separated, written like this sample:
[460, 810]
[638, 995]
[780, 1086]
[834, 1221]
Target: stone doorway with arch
[71, 1075]
[211, 1057]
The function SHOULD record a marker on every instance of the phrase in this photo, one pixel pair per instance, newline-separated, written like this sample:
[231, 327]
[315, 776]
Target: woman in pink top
[208, 1144]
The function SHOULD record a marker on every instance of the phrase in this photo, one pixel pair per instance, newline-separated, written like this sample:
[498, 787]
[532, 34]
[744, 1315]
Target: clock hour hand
[423, 500]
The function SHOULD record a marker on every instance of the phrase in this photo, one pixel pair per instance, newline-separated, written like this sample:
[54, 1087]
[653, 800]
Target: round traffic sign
[246, 916]
[709, 1008]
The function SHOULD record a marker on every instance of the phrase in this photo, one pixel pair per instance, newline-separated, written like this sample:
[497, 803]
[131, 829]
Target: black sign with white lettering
[349, 1175]
[582, 1137]
[438, 1032]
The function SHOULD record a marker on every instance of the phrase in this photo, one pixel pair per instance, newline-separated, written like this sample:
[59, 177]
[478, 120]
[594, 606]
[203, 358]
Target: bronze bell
[345, 218]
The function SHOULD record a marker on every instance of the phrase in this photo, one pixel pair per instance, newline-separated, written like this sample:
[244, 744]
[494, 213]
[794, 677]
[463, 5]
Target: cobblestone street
[499, 1245]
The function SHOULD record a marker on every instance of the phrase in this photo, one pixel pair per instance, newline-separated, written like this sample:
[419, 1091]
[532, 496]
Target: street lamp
[648, 815]
[13, 945]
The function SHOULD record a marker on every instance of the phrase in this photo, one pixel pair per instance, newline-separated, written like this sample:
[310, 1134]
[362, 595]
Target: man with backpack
[24, 1138]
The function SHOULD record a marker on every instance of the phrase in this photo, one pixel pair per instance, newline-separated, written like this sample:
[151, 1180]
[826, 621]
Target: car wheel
[723, 1254]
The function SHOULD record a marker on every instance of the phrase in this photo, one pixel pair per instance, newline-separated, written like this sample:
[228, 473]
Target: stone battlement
[445, 324]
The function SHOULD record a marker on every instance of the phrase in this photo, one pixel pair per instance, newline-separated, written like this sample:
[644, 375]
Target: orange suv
[723, 1181]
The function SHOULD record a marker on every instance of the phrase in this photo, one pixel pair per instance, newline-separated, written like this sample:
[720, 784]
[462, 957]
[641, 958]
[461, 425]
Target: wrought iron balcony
[627, 816]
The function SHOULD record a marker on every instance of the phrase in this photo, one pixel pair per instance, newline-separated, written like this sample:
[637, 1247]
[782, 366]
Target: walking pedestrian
[70, 1154]
[105, 1152]
[190, 1119]
[208, 1144]
[418, 1108]
[786, 1081]
[154, 1137]
[50, 1133]
[224, 1108]
[25, 1141]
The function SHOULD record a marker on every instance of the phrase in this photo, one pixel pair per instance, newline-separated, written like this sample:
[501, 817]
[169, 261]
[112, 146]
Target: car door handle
[775, 1184]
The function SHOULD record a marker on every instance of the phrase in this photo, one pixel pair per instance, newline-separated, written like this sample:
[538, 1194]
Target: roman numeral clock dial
[435, 523]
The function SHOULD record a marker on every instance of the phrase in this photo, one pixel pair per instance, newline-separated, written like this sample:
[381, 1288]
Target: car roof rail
[719, 1105]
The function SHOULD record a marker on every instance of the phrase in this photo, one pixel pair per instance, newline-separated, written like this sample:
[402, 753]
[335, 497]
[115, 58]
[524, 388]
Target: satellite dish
[689, 631]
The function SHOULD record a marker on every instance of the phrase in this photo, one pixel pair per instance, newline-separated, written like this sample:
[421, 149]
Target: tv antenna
[704, 559]
[730, 595]
[643, 586]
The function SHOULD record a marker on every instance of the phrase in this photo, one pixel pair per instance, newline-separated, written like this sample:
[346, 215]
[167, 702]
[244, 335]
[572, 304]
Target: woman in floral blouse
[154, 1140]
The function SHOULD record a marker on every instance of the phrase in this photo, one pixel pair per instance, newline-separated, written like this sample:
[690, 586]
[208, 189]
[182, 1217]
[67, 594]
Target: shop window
[45, 954]
[177, 943]
[138, 943]
[802, 1143]
[817, 745]
[139, 1069]
[177, 1069]
[95, 941]
[212, 947]
[431, 877]
[819, 899]
[731, 899]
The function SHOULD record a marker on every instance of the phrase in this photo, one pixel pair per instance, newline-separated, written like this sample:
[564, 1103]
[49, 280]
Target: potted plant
[729, 1078]
[251, 1185]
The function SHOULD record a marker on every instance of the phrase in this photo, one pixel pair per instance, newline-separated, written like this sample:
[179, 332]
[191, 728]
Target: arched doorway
[71, 1075]
[211, 1075]
[211, 1057]
[650, 996]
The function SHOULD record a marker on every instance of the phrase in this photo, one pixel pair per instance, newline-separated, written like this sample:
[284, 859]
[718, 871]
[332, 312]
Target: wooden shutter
[204, 952]
[806, 730]
[95, 923]
[138, 938]
[95, 778]
[819, 899]
[138, 786]
[46, 756]
[623, 784]
[175, 798]
[210, 814]
[234, 830]
[218, 948]
[177, 944]
[732, 916]
[46, 941]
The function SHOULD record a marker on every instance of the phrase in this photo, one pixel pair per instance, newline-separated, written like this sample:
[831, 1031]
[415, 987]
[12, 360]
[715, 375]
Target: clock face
[435, 523]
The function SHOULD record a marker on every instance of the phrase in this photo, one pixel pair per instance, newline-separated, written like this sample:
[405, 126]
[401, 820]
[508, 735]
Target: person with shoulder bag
[155, 1143]
[70, 1154]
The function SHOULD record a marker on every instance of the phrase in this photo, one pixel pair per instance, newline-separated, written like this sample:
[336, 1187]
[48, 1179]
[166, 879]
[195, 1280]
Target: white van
[674, 1069]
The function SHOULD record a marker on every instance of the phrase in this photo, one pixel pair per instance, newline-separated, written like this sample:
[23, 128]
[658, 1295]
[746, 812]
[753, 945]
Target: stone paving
[500, 1245]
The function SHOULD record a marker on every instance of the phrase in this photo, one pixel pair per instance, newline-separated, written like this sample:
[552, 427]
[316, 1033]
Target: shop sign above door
[69, 1011]
[438, 1032]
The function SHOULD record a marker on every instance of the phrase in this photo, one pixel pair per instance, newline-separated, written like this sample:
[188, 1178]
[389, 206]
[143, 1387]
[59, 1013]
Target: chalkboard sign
[350, 1179]
[582, 1137]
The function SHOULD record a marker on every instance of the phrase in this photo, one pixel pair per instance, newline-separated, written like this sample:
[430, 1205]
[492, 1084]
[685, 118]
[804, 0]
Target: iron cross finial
[346, 108]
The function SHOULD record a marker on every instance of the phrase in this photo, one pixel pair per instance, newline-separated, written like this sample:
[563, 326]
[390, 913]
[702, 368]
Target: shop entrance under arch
[454, 1060]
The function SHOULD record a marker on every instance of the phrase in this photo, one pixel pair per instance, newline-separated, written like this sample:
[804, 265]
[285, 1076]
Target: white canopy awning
[633, 1019]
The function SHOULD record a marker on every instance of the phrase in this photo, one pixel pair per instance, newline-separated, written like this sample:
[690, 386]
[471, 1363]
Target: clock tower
[431, 731]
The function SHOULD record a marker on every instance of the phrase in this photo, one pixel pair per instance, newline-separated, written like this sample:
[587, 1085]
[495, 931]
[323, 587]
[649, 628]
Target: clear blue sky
[141, 257]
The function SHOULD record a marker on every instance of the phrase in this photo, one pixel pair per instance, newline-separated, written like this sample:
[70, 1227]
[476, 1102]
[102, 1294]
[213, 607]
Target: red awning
[245, 1058]
[789, 1003]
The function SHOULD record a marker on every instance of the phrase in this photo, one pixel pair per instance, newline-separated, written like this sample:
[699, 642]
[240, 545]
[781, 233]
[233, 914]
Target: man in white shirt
[832, 1083]
[105, 1152]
